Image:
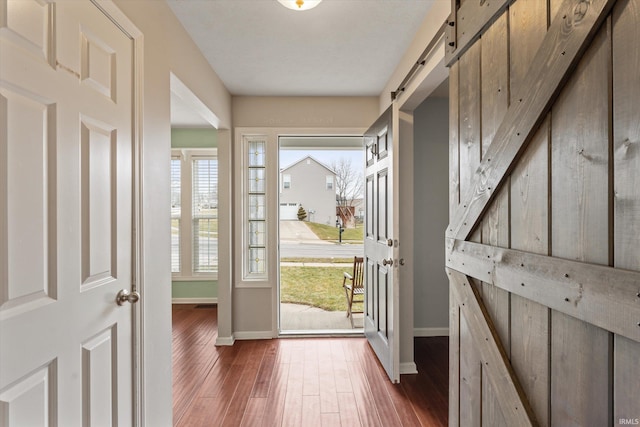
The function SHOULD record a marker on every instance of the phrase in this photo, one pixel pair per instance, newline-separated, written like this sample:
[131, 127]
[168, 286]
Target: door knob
[125, 296]
[388, 262]
[390, 242]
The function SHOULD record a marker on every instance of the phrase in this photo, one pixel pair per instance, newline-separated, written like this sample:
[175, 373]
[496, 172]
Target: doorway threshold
[320, 333]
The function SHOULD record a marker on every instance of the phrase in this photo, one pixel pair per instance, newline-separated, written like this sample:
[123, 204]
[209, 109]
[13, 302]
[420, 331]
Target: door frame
[290, 132]
[308, 134]
[113, 12]
[418, 87]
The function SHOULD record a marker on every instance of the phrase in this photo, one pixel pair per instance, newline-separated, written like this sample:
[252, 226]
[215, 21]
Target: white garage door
[288, 211]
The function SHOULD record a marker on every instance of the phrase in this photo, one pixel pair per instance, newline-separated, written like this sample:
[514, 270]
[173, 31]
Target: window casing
[195, 242]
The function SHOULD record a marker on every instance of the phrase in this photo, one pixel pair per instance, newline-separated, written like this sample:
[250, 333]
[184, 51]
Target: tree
[302, 214]
[349, 181]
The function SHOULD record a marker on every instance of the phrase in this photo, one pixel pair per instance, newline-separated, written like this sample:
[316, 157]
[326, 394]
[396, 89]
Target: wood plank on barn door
[469, 152]
[454, 359]
[580, 231]
[454, 140]
[626, 199]
[494, 69]
[454, 200]
[470, 377]
[529, 213]
[469, 116]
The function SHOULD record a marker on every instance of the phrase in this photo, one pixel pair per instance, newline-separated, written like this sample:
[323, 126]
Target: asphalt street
[320, 250]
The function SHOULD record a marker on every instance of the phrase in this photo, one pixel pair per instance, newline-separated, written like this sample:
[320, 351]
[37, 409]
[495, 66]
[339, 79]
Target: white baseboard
[253, 335]
[430, 332]
[225, 341]
[408, 368]
[194, 300]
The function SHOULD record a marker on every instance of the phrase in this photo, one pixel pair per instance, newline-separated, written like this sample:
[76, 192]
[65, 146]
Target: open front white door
[381, 313]
[66, 131]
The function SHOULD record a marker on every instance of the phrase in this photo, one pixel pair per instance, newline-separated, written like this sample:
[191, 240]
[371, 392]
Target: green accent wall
[194, 138]
[200, 289]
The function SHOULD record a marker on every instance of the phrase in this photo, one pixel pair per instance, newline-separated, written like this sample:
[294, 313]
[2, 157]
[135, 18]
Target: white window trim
[186, 156]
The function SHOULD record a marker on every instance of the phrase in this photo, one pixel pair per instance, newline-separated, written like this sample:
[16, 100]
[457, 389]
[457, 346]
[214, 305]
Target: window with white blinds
[176, 196]
[205, 214]
[194, 198]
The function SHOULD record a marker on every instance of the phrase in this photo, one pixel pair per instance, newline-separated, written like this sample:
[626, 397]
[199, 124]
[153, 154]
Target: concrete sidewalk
[302, 318]
[348, 266]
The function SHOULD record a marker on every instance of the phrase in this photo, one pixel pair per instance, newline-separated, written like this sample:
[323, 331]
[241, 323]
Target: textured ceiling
[339, 48]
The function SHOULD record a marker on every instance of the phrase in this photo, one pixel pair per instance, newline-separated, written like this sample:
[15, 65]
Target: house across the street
[310, 184]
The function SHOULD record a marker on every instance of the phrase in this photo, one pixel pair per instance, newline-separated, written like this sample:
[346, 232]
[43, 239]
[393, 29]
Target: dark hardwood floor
[298, 382]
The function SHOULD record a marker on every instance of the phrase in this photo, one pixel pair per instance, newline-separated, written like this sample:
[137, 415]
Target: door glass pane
[256, 153]
[257, 261]
[256, 180]
[256, 206]
[257, 233]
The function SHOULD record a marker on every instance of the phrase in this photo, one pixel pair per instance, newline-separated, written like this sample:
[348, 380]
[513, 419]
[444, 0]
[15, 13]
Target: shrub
[302, 214]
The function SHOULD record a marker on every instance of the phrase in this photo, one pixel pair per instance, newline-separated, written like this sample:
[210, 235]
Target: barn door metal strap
[513, 402]
[571, 287]
[568, 37]
[467, 23]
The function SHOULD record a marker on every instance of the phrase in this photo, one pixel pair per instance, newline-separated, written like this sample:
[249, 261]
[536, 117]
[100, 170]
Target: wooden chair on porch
[353, 285]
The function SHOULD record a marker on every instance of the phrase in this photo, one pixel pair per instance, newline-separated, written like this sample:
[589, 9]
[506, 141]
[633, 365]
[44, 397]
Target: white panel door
[66, 133]
[381, 313]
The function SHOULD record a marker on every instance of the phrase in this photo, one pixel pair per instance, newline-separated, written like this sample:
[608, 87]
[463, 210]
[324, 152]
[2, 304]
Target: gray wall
[431, 216]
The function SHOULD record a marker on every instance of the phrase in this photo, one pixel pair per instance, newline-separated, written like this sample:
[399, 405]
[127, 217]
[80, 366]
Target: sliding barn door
[66, 135]
[381, 315]
[543, 245]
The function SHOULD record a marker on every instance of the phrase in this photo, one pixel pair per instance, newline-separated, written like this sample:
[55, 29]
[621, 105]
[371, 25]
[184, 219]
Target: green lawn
[314, 286]
[322, 260]
[328, 232]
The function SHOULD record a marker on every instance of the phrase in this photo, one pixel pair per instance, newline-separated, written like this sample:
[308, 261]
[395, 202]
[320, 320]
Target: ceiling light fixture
[299, 4]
